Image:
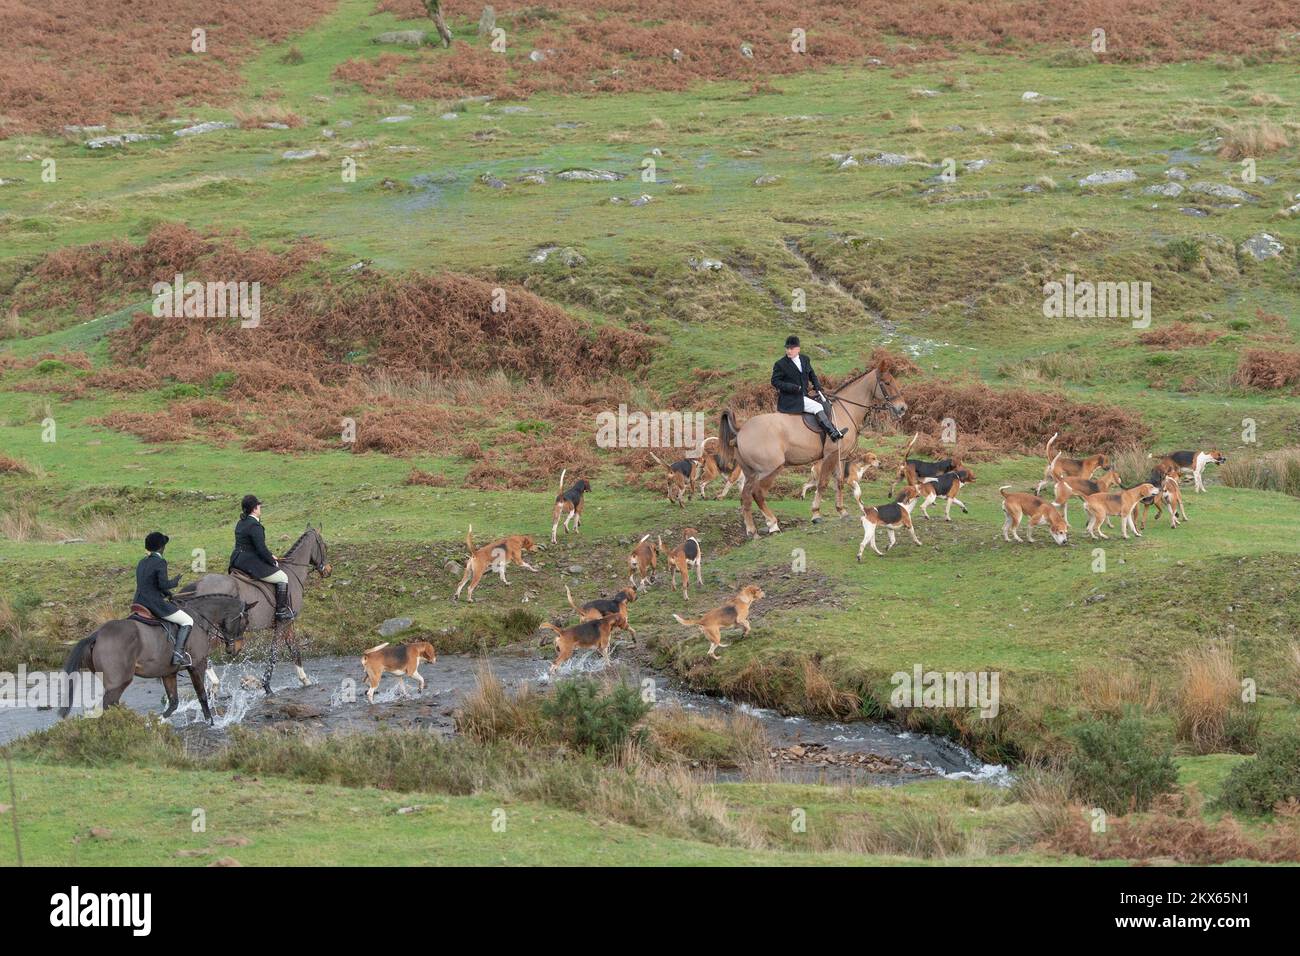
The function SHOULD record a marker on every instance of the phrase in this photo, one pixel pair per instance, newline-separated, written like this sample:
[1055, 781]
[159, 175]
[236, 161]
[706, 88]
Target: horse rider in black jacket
[252, 556]
[153, 589]
[796, 384]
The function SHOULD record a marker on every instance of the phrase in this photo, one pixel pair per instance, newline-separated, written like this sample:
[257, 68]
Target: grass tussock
[1113, 690]
[1272, 471]
[1252, 139]
[1211, 717]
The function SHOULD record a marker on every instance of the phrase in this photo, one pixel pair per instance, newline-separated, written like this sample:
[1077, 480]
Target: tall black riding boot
[179, 657]
[828, 426]
[283, 612]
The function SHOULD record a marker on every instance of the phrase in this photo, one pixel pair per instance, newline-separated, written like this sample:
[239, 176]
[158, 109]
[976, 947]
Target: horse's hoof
[817, 519]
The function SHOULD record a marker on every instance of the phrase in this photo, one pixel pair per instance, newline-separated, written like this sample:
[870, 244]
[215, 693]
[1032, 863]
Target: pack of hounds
[1093, 479]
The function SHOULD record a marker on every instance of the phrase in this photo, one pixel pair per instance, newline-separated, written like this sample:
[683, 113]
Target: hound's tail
[377, 647]
[659, 460]
[727, 434]
[1051, 467]
[569, 595]
[909, 446]
[78, 659]
[1003, 491]
[563, 472]
[1048, 453]
[661, 543]
[688, 621]
[469, 539]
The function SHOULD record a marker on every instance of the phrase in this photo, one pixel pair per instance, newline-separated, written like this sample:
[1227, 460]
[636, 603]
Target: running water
[806, 749]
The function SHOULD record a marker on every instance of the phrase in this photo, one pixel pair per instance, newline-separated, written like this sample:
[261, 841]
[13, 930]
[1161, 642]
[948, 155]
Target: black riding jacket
[152, 586]
[792, 384]
[251, 554]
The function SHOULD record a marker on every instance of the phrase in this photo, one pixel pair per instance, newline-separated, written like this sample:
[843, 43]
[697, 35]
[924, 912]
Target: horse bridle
[880, 406]
[219, 633]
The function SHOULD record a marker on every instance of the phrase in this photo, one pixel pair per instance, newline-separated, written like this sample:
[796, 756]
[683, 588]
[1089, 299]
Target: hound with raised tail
[1067, 488]
[616, 605]
[681, 558]
[912, 470]
[679, 479]
[1122, 504]
[594, 633]
[569, 505]
[733, 613]
[642, 563]
[1193, 463]
[1058, 467]
[948, 485]
[1021, 506]
[709, 466]
[496, 556]
[896, 514]
[402, 659]
[855, 466]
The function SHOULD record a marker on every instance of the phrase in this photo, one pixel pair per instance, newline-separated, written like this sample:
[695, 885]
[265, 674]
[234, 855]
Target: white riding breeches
[278, 578]
[181, 618]
[812, 406]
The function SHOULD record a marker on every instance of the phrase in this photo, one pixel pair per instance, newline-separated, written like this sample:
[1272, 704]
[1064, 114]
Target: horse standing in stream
[139, 646]
[306, 554]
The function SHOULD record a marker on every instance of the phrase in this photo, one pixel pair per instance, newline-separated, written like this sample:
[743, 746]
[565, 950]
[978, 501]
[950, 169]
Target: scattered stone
[1029, 96]
[576, 569]
[394, 625]
[120, 140]
[642, 200]
[537, 56]
[1170, 190]
[1222, 191]
[590, 175]
[975, 165]
[202, 128]
[328, 133]
[275, 126]
[1262, 246]
[1094, 599]
[677, 55]
[926, 94]
[450, 116]
[567, 255]
[1193, 211]
[344, 124]
[887, 159]
[394, 119]
[747, 51]
[1109, 177]
[512, 110]
[1175, 172]
[569, 124]
[402, 37]
[302, 154]
[487, 179]
[453, 567]
[705, 265]
[487, 21]
[536, 179]
[403, 811]
[847, 163]
[768, 180]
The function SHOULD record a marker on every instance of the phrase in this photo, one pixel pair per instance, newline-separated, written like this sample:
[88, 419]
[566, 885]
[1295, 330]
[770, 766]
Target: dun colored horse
[765, 444]
[125, 649]
[306, 554]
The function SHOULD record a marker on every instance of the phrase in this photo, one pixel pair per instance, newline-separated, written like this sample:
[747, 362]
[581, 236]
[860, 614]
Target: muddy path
[803, 749]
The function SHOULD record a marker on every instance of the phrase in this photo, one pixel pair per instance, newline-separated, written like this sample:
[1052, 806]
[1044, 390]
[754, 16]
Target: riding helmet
[249, 503]
[155, 541]
[791, 341]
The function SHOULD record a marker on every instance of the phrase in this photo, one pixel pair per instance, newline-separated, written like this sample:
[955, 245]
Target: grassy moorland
[161, 425]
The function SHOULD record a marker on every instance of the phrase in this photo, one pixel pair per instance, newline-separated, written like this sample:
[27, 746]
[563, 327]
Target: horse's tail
[77, 660]
[727, 433]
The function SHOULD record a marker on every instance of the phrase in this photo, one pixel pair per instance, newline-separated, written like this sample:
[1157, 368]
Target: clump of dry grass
[1267, 369]
[13, 466]
[1208, 693]
[722, 740]
[1275, 471]
[1117, 689]
[489, 713]
[1252, 139]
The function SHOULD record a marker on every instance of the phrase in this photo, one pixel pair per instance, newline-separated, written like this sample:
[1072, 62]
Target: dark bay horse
[765, 444]
[305, 555]
[124, 649]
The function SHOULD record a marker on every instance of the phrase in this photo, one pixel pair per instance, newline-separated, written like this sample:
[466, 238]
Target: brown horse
[765, 444]
[306, 554]
[125, 649]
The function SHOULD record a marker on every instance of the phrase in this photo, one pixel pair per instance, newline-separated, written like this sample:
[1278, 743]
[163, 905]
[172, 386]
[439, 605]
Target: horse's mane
[863, 374]
[301, 538]
[191, 599]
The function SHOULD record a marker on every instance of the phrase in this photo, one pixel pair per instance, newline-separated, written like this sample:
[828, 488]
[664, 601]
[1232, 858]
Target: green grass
[953, 276]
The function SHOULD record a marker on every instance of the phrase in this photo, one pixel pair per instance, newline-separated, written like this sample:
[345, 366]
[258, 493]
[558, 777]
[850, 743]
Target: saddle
[145, 616]
[267, 589]
[810, 423]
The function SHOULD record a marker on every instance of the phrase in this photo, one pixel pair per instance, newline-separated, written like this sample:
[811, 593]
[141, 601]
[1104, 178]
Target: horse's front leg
[173, 695]
[270, 665]
[817, 490]
[293, 648]
[839, 483]
[197, 677]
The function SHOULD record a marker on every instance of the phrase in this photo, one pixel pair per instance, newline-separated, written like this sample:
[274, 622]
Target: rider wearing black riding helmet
[252, 556]
[153, 589]
[796, 384]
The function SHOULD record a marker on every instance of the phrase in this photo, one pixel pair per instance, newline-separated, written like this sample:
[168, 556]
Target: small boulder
[1262, 246]
[1109, 177]
[402, 38]
[394, 625]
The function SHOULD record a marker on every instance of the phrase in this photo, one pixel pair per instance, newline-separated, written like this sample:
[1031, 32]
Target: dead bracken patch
[1266, 369]
[1179, 335]
[1007, 421]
